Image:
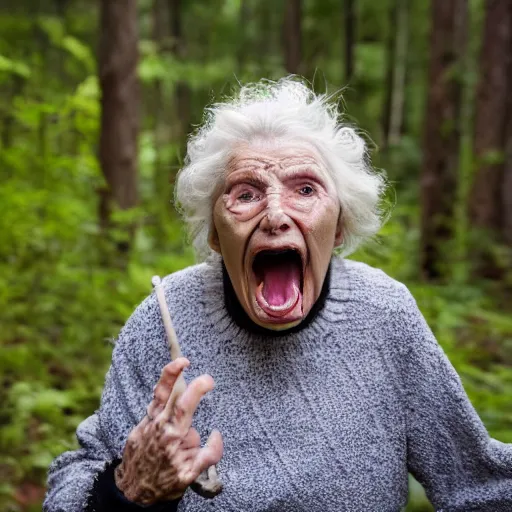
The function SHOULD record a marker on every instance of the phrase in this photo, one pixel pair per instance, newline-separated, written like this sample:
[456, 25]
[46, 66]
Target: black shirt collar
[240, 317]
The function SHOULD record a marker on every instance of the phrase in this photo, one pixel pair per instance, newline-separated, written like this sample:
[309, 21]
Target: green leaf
[52, 27]
[13, 66]
[79, 50]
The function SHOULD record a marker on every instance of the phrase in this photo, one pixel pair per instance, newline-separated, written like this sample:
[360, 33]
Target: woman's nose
[275, 221]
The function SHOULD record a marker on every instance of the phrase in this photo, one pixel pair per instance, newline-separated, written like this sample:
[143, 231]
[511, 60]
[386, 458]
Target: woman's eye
[246, 197]
[306, 190]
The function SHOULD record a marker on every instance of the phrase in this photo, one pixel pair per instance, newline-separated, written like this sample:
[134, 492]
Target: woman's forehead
[276, 157]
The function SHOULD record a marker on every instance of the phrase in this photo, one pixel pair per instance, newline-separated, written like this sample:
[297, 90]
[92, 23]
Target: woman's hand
[162, 456]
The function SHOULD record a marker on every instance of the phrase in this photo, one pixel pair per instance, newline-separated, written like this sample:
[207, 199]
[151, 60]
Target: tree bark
[506, 196]
[161, 133]
[293, 36]
[390, 72]
[349, 22]
[393, 112]
[158, 104]
[245, 17]
[6, 135]
[182, 95]
[159, 23]
[441, 139]
[507, 180]
[118, 58]
[487, 205]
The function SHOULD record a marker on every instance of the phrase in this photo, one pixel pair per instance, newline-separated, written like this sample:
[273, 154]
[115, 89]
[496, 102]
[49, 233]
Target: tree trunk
[507, 179]
[293, 36]
[393, 111]
[349, 22]
[390, 72]
[442, 132]
[161, 134]
[118, 57]
[244, 17]
[182, 95]
[159, 23]
[157, 102]
[487, 208]
[506, 196]
[264, 41]
[6, 135]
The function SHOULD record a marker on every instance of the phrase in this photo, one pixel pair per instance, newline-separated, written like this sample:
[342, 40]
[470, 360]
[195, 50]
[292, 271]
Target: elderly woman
[329, 385]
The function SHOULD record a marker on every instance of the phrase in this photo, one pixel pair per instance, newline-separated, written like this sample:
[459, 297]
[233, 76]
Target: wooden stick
[207, 484]
[172, 339]
[166, 317]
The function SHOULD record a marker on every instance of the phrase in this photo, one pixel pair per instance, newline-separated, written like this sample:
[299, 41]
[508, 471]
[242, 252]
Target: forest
[96, 101]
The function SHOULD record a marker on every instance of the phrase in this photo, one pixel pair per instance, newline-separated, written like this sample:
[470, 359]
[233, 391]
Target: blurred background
[96, 101]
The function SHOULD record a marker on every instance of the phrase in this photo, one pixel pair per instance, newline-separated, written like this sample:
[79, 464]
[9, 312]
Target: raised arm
[74, 475]
[449, 450]
[83, 480]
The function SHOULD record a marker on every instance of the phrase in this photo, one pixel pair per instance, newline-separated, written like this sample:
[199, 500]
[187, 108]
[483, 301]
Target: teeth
[284, 307]
[279, 251]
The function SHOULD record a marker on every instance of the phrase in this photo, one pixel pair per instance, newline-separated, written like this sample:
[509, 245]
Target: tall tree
[398, 32]
[161, 129]
[441, 138]
[488, 204]
[507, 175]
[118, 58]
[182, 96]
[245, 15]
[6, 131]
[292, 32]
[157, 101]
[349, 23]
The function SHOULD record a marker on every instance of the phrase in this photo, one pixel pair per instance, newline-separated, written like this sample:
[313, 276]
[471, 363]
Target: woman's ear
[213, 239]
[338, 237]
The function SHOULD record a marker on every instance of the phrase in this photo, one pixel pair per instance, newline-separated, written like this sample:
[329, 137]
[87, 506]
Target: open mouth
[279, 281]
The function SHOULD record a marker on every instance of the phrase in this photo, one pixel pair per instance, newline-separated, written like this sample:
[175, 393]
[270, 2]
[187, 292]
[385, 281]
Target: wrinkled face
[276, 222]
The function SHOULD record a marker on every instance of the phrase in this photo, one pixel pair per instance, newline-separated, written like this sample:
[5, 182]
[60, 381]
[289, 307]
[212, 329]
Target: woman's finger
[165, 384]
[186, 405]
[191, 440]
[210, 454]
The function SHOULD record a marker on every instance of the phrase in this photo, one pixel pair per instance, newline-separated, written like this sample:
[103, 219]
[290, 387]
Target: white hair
[286, 109]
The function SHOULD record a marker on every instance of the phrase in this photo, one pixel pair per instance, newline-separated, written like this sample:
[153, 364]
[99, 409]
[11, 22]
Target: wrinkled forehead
[278, 157]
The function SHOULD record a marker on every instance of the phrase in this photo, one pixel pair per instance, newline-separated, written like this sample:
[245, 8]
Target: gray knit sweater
[328, 419]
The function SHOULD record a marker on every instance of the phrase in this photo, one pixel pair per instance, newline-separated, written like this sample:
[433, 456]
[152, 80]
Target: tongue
[281, 279]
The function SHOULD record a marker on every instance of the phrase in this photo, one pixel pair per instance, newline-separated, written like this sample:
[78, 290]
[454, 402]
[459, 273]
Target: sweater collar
[242, 320]
[332, 313]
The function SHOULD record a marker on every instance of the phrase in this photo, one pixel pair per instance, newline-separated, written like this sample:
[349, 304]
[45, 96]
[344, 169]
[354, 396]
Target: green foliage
[63, 297]
[14, 67]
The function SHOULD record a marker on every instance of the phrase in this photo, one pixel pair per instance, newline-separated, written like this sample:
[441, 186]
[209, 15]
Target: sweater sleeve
[449, 450]
[81, 480]
[106, 497]
[73, 473]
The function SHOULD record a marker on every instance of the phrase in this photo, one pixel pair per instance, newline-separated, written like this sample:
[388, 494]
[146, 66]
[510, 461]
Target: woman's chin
[277, 322]
[282, 327]
[278, 326]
